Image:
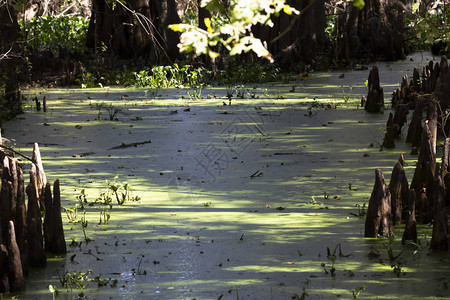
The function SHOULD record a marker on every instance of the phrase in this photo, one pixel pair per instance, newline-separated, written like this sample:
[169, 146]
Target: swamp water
[237, 202]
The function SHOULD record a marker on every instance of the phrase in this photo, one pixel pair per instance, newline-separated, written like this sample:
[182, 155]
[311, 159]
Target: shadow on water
[241, 201]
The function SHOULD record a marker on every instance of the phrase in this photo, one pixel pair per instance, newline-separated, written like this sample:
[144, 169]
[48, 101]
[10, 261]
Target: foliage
[80, 280]
[61, 35]
[230, 26]
[177, 75]
[357, 291]
[247, 72]
[120, 191]
[74, 280]
[234, 35]
[427, 27]
[168, 76]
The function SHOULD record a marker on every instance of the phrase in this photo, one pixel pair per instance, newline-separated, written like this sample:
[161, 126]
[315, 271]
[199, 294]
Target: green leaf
[208, 25]
[358, 3]
[176, 27]
[289, 10]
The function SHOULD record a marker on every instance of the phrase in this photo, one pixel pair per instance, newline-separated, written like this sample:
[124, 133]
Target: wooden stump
[442, 89]
[391, 131]
[16, 278]
[415, 84]
[398, 188]
[41, 179]
[20, 221]
[432, 116]
[379, 213]
[434, 76]
[53, 227]
[44, 104]
[5, 208]
[415, 127]
[14, 180]
[440, 236]
[4, 280]
[410, 233]
[405, 89]
[59, 242]
[36, 255]
[423, 207]
[400, 117]
[424, 175]
[48, 219]
[445, 170]
[375, 96]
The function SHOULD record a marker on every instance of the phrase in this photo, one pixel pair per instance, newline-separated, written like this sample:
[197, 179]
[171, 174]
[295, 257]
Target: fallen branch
[123, 145]
[256, 174]
[16, 152]
[83, 154]
[259, 129]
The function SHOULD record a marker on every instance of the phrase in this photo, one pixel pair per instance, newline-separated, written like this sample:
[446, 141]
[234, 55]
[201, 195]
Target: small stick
[259, 129]
[16, 152]
[254, 174]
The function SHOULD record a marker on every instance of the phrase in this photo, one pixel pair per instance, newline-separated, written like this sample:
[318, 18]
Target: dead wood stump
[398, 188]
[36, 255]
[48, 219]
[16, 278]
[405, 88]
[59, 242]
[424, 174]
[41, 179]
[4, 279]
[375, 96]
[415, 84]
[14, 180]
[391, 132]
[5, 208]
[44, 104]
[379, 213]
[410, 233]
[53, 227]
[434, 76]
[415, 127]
[432, 116]
[20, 220]
[400, 117]
[440, 236]
[445, 170]
[442, 89]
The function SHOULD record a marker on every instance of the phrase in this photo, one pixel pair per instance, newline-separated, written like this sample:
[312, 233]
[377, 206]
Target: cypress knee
[410, 233]
[36, 255]
[16, 278]
[59, 243]
[379, 215]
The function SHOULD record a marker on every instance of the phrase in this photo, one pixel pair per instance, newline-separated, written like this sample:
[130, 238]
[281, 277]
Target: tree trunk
[9, 32]
[137, 29]
[374, 31]
[293, 38]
